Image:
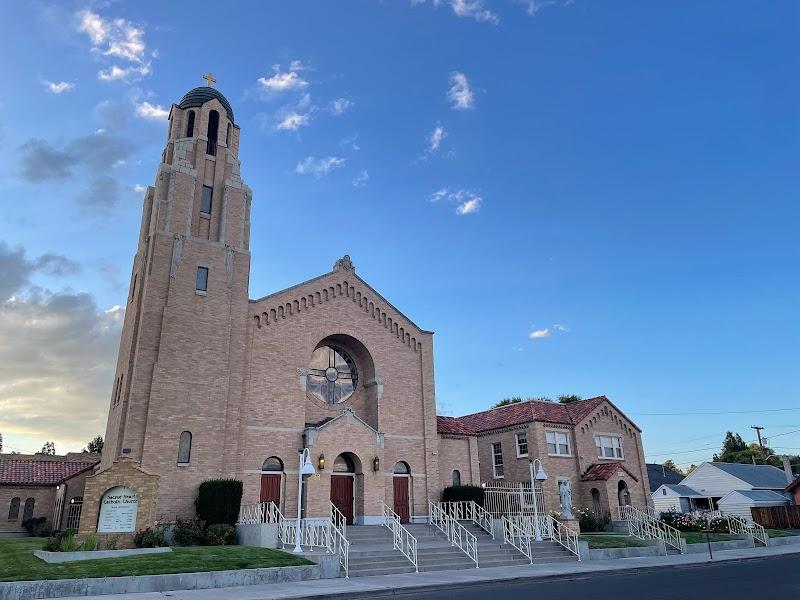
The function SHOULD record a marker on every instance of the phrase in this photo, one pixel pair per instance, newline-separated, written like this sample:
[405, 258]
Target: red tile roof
[604, 471]
[45, 471]
[520, 413]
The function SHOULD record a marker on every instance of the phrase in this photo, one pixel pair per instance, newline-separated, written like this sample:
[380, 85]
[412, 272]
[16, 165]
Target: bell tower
[174, 407]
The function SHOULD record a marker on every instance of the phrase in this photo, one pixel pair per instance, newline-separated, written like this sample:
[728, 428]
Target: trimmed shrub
[220, 534]
[718, 525]
[43, 529]
[61, 541]
[589, 521]
[31, 524]
[219, 500]
[188, 533]
[463, 493]
[150, 538]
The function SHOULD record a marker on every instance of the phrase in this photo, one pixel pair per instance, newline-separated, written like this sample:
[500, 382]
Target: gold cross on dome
[209, 77]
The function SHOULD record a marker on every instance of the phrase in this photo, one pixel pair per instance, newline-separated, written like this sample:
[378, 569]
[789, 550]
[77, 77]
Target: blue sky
[619, 176]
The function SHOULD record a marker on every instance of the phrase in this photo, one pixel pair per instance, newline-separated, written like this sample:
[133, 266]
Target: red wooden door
[271, 489]
[401, 504]
[342, 495]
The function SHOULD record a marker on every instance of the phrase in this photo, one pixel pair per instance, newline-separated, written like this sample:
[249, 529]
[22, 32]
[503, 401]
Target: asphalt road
[774, 578]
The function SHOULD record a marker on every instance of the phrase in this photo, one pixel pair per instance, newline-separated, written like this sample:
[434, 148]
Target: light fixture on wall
[321, 462]
[376, 464]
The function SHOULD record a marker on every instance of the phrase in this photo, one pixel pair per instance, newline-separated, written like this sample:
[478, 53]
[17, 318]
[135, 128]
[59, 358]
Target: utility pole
[758, 432]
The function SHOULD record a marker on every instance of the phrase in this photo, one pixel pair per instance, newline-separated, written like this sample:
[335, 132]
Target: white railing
[314, 533]
[642, 525]
[341, 545]
[469, 511]
[513, 535]
[501, 498]
[739, 526]
[550, 528]
[403, 540]
[264, 512]
[338, 519]
[456, 533]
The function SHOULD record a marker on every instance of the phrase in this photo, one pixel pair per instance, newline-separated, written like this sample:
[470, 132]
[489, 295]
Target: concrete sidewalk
[410, 583]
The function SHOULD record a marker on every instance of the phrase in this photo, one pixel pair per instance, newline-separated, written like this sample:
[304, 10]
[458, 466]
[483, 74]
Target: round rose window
[332, 375]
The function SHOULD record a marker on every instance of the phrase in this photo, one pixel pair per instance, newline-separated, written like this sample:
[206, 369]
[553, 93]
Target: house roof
[791, 487]
[660, 475]
[604, 471]
[452, 426]
[521, 413]
[767, 496]
[682, 490]
[39, 470]
[759, 476]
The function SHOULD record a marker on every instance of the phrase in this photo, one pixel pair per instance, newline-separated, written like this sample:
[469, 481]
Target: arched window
[344, 464]
[228, 136]
[402, 468]
[456, 477]
[185, 448]
[332, 375]
[213, 126]
[273, 463]
[597, 507]
[190, 124]
[13, 510]
[27, 512]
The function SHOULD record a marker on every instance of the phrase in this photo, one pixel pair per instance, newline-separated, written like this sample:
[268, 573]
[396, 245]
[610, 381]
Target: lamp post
[540, 476]
[306, 468]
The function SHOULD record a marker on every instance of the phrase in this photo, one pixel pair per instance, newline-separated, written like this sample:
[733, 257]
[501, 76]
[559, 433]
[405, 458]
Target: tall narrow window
[201, 284]
[205, 199]
[13, 510]
[456, 477]
[213, 125]
[27, 512]
[119, 389]
[497, 460]
[185, 448]
[190, 124]
[228, 136]
[522, 445]
[133, 287]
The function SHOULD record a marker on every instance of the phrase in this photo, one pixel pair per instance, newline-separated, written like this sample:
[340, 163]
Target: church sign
[118, 511]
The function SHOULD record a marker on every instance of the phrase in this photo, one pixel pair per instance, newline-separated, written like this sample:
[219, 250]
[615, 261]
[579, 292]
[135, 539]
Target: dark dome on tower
[200, 95]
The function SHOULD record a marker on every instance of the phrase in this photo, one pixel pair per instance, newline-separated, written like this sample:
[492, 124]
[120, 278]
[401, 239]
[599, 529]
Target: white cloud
[139, 188]
[435, 138]
[340, 106]
[151, 112]
[467, 202]
[538, 334]
[460, 94]
[117, 39]
[561, 328]
[294, 121]
[361, 179]
[59, 87]
[474, 9]
[318, 166]
[532, 7]
[283, 82]
[350, 142]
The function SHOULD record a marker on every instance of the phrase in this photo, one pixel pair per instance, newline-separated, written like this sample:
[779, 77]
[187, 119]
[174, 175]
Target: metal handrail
[644, 526]
[263, 512]
[338, 519]
[512, 532]
[458, 535]
[469, 511]
[403, 540]
[341, 545]
[740, 526]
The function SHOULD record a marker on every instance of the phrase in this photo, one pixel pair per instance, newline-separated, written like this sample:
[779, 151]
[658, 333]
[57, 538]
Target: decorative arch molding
[617, 418]
[371, 306]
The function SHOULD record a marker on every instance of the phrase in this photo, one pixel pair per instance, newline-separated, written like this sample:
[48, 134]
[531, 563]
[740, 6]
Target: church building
[213, 384]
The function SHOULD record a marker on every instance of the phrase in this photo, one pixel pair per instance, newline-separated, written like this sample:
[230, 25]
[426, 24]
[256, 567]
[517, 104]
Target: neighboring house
[591, 443]
[708, 484]
[739, 502]
[659, 475]
[793, 491]
[39, 485]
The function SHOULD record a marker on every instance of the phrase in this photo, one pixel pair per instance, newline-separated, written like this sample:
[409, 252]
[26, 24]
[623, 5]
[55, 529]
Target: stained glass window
[332, 375]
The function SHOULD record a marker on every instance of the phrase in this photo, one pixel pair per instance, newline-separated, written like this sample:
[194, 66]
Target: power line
[723, 412]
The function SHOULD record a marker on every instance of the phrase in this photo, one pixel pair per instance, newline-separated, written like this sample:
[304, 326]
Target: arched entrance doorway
[401, 484]
[597, 507]
[272, 480]
[623, 494]
[343, 484]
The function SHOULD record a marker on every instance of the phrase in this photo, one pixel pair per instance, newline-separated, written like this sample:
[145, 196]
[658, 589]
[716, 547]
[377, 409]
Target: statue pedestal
[571, 524]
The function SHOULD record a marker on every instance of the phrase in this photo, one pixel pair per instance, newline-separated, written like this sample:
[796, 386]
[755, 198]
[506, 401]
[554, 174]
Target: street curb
[455, 587]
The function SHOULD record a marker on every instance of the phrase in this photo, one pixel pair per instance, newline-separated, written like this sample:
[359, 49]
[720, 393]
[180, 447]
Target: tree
[1, 442]
[507, 401]
[670, 464]
[736, 450]
[49, 448]
[569, 398]
[95, 445]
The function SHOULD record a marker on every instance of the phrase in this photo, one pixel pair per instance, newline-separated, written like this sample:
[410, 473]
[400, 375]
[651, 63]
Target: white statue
[565, 491]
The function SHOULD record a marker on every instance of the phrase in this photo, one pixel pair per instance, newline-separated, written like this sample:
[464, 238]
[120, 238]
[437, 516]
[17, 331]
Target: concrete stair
[372, 551]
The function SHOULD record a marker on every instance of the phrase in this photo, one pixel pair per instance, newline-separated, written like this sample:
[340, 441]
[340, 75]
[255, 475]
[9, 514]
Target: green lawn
[17, 561]
[782, 532]
[599, 541]
[696, 537]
